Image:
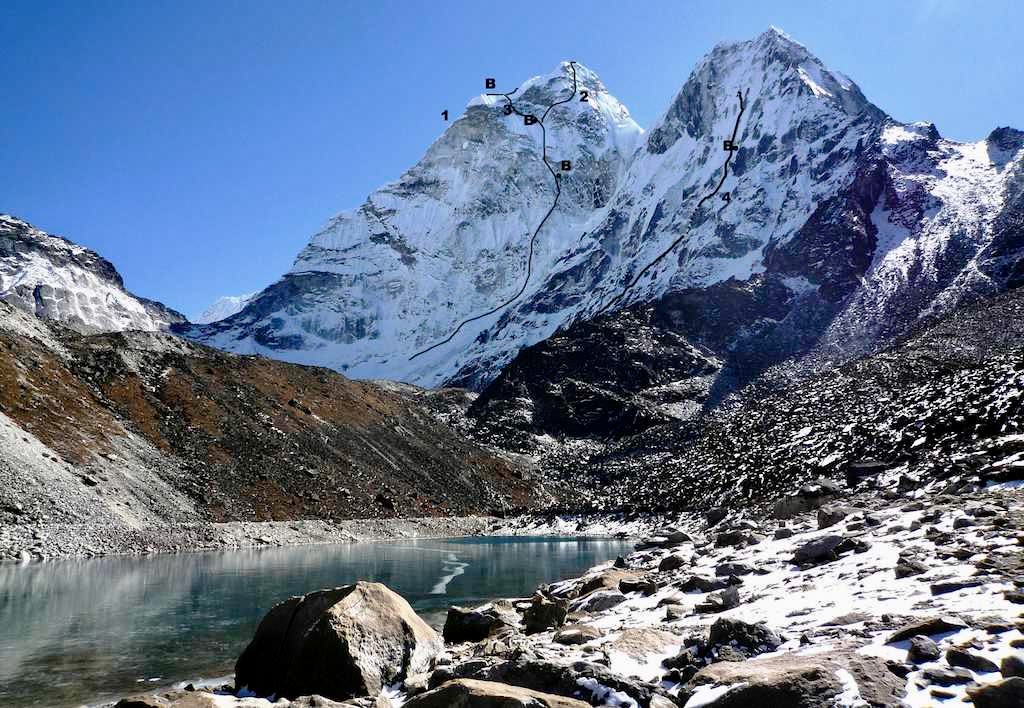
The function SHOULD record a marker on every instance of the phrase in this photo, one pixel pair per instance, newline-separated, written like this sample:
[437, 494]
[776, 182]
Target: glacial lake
[77, 633]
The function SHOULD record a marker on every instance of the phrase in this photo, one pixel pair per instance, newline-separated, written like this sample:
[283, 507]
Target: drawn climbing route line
[730, 146]
[510, 109]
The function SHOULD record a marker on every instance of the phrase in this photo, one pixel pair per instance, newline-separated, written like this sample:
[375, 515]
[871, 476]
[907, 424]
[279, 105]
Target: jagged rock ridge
[51, 277]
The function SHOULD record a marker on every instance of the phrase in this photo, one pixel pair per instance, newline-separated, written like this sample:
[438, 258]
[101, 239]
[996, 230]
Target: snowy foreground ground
[866, 601]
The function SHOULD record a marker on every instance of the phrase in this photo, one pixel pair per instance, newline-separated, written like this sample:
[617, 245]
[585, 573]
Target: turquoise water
[78, 632]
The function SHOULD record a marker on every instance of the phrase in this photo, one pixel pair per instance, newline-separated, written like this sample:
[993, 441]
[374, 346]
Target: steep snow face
[811, 188]
[223, 307]
[800, 134]
[51, 277]
[449, 240]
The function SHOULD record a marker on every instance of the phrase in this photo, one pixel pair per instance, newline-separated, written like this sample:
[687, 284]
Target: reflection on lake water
[75, 632]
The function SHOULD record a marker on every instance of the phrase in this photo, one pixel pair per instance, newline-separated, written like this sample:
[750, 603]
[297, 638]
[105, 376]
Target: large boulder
[832, 514]
[577, 634]
[782, 682]
[321, 702]
[753, 639]
[468, 693]
[739, 537]
[340, 643]
[969, 660]
[808, 498]
[825, 549]
[700, 583]
[674, 561]
[143, 701]
[728, 640]
[922, 649]
[545, 613]
[644, 586]
[674, 535]
[1008, 693]
[928, 627]
[172, 699]
[474, 625]
[650, 542]
[720, 601]
[567, 680]
[202, 699]
[605, 580]
[640, 643]
[794, 681]
[598, 601]
[1012, 665]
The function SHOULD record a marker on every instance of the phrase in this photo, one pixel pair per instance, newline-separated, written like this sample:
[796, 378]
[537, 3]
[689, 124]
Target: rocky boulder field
[833, 598]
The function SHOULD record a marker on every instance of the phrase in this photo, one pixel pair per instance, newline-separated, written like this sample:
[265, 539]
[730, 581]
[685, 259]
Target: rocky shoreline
[53, 541]
[37, 542]
[831, 600]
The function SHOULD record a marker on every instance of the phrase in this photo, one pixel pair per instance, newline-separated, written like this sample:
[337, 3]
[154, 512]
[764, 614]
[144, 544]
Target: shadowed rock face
[341, 643]
[51, 277]
[611, 377]
[936, 403]
[924, 402]
[887, 250]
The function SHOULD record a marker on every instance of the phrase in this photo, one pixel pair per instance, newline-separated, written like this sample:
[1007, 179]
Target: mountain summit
[842, 226]
[450, 239]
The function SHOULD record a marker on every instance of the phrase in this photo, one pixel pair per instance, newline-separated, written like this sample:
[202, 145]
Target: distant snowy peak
[54, 278]
[223, 307]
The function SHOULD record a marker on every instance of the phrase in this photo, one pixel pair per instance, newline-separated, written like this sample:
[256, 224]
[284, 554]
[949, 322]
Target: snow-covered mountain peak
[484, 154]
[782, 82]
[454, 238]
[52, 277]
[223, 307]
[544, 88]
[773, 43]
[478, 250]
[555, 84]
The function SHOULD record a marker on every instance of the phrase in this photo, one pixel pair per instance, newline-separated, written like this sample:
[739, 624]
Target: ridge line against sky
[199, 146]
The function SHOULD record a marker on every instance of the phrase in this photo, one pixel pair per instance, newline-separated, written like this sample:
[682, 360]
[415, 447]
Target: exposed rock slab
[340, 643]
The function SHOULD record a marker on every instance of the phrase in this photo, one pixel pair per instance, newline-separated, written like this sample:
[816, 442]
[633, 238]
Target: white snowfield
[450, 239]
[54, 278]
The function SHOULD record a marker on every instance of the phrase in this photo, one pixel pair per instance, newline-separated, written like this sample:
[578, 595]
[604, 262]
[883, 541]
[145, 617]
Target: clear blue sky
[198, 144]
